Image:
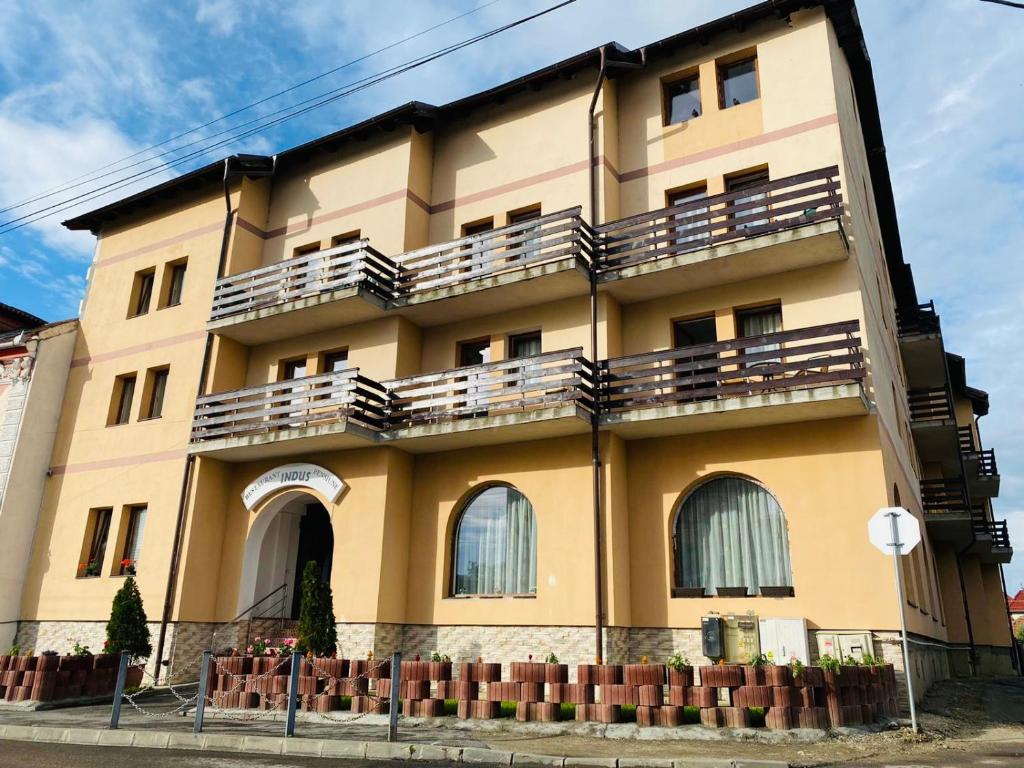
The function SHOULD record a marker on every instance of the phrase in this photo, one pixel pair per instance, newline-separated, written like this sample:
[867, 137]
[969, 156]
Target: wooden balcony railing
[532, 243]
[492, 389]
[930, 404]
[944, 496]
[798, 359]
[303, 402]
[777, 205]
[911, 321]
[966, 437]
[352, 264]
[997, 530]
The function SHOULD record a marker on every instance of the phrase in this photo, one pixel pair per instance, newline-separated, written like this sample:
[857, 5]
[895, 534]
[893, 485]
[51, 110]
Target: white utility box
[786, 639]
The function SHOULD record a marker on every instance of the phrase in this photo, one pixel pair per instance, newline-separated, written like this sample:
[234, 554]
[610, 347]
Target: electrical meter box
[742, 640]
[711, 639]
[785, 639]
[845, 645]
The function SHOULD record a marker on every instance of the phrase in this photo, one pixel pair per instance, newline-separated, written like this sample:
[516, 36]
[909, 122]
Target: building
[34, 359]
[564, 366]
[1015, 607]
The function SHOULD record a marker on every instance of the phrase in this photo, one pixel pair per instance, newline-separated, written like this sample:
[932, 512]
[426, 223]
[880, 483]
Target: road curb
[337, 748]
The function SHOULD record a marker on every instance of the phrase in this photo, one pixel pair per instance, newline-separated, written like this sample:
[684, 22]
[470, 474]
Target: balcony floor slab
[783, 407]
[924, 359]
[952, 527]
[311, 314]
[796, 248]
[452, 434]
[335, 436]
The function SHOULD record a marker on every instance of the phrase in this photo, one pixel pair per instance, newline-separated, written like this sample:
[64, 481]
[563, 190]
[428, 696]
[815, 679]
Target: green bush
[317, 631]
[127, 629]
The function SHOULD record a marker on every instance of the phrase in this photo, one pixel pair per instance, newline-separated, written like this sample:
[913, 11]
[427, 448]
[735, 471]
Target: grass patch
[568, 711]
[756, 717]
[451, 707]
[346, 703]
[629, 713]
[507, 709]
[691, 715]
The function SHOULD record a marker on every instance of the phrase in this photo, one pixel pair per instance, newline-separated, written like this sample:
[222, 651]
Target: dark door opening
[316, 543]
[693, 333]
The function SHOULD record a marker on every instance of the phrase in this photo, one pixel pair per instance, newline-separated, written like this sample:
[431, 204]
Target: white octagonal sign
[880, 533]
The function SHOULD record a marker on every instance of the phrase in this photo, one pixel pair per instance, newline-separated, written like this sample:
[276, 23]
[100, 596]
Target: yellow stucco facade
[830, 453]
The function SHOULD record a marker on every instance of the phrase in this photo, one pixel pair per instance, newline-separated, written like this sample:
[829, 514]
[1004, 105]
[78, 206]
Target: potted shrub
[318, 633]
[440, 667]
[754, 671]
[831, 670]
[680, 673]
[127, 630]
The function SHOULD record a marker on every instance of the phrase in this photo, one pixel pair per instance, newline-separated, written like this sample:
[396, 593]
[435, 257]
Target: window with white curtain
[495, 548]
[731, 532]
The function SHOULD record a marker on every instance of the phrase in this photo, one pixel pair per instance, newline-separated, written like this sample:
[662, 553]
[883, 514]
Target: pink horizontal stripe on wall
[754, 141]
[198, 232]
[158, 344]
[512, 186]
[122, 461]
[288, 229]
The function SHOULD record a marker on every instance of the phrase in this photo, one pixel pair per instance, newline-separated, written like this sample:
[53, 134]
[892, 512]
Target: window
[132, 541]
[293, 369]
[524, 345]
[692, 226]
[730, 536]
[142, 292]
[94, 548]
[495, 547]
[531, 235]
[121, 402]
[476, 254]
[474, 352]
[302, 250]
[758, 322]
[682, 99]
[745, 208]
[698, 331]
[174, 283]
[336, 360]
[346, 239]
[737, 82]
[157, 387]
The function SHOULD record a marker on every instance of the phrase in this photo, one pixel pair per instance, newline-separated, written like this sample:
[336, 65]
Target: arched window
[731, 533]
[495, 547]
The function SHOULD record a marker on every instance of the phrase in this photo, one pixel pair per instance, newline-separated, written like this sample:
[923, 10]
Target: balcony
[775, 378]
[979, 466]
[532, 262]
[920, 338]
[992, 543]
[934, 428]
[783, 225]
[330, 411]
[305, 294]
[947, 510]
[542, 396]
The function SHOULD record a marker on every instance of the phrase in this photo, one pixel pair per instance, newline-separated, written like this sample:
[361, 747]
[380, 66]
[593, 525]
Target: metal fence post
[204, 677]
[122, 675]
[395, 702]
[293, 690]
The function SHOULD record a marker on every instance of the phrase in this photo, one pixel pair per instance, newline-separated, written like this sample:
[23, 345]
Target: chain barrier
[325, 675]
[239, 682]
[185, 702]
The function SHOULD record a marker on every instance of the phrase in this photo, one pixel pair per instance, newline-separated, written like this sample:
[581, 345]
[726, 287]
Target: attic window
[682, 99]
[737, 82]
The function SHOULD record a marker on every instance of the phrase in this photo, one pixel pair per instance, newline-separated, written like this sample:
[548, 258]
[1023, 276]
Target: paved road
[23, 754]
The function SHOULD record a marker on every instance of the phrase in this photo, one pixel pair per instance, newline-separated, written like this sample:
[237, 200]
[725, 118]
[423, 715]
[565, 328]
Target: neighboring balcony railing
[930, 404]
[306, 276]
[492, 389]
[997, 530]
[805, 198]
[534, 243]
[913, 321]
[772, 362]
[944, 496]
[292, 404]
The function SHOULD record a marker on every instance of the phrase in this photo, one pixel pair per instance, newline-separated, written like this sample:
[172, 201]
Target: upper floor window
[495, 546]
[693, 225]
[730, 537]
[345, 239]
[157, 388]
[525, 242]
[174, 281]
[681, 99]
[335, 360]
[747, 207]
[759, 322]
[94, 548]
[475, 352]
[737, 82]
[121, 401]
[142, 292]
[524, 345]
[136, 521]
[293, 369]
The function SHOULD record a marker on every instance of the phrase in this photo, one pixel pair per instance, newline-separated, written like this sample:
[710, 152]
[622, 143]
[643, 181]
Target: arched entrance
[292, 527]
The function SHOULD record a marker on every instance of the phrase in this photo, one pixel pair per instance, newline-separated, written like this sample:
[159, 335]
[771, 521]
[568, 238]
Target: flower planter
[538, 712]
[643, 674]
[754, 675]
[670, 717]
[539, 672]
[598, 713]
[688, 592]
[480, 672]
[722, 676]
[811, 677]
[778, 675]
[571, 693]
[775, 591]
[680, 678]
[599, 674]
[733, 591]
[133, 678]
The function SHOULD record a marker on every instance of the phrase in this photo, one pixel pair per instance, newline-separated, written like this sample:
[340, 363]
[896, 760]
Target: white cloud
[222, 16]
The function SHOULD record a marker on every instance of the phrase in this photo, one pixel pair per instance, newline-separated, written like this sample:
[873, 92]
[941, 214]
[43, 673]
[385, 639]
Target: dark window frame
[128, 565]
[734, 61]
[667, 95]
[142, 292]
[157, 391]
[123, 398]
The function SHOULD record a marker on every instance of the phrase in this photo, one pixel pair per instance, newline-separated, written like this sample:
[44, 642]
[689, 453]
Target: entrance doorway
[316, 544]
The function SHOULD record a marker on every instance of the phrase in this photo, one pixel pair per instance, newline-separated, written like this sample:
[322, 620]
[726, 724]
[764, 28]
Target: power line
[91, 175]
[297, 110]
[1005, 2]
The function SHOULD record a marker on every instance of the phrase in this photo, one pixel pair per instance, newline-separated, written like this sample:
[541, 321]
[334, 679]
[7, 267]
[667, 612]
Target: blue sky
[83, 84]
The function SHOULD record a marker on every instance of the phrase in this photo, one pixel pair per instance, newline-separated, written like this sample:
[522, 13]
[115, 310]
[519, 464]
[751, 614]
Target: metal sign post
[396, 695]
[204, 678]
[894, 530]
[122, 674]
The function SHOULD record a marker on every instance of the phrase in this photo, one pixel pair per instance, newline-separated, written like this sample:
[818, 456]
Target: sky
[86, 84]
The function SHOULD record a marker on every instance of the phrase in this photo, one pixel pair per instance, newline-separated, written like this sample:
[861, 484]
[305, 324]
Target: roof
[422, 116]
[14, 319]
[957, 367]
[1015, 604]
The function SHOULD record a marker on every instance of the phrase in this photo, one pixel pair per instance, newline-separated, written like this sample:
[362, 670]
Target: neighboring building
[1015, 606]
[386, 362]
[34, 359]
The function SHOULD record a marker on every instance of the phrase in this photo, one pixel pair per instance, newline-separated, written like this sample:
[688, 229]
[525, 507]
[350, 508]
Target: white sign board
[327, 484]
[880, 530]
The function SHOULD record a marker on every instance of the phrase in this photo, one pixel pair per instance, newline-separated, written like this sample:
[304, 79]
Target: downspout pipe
[188, 472]
[595, 445]
[1014, 653]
